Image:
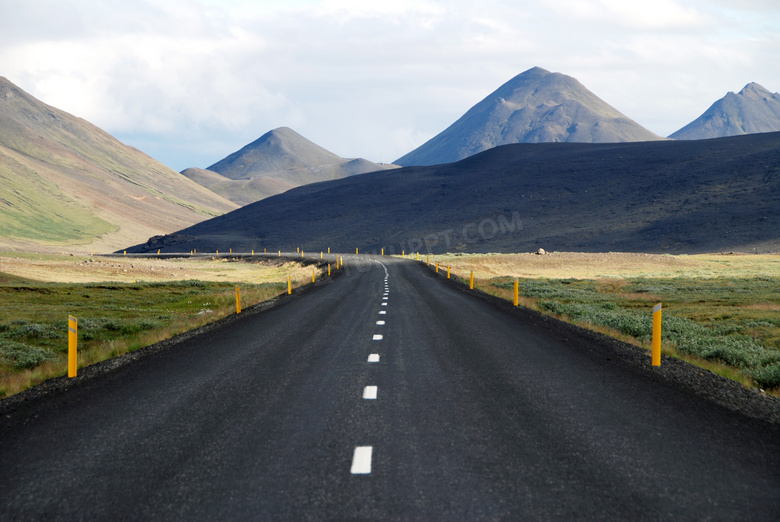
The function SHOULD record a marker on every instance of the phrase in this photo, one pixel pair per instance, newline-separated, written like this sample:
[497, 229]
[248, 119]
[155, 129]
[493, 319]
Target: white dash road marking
[380, 323]
[383, 312]
[384, 304]
[385, 298]
[373, 358]
[361, 460]
[369, 392]
[377, 337]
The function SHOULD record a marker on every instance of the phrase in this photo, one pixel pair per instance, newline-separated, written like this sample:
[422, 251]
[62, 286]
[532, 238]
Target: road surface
[384, 394]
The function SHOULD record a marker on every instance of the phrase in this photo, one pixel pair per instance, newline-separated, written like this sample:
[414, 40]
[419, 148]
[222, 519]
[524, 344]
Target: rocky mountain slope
[754, 109]
[534, 107]
[66, 184]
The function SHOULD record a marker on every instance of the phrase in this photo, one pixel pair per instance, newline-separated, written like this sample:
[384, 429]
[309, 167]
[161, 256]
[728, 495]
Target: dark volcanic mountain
[65, 183]
[660, 196]
[277, 161]
[536, 106]
[753, 110]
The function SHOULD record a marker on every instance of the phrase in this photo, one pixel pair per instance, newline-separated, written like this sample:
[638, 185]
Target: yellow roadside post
[312, 275]
[125, 253]
[428, 259]
[418, 256]
[328, 269]
[356, 251]
[158, 251]
[437, 267]
[320, 255]
[448, 272]
[238, 301]
[657, 335]
[517, 293]
[328, 250]
[217, 252]
[195, 250]
[253, 252]
[231, 250]
[301, 254]
[73, 327]
[280, 253]
[403, 254]
[265, 251]
[383, 251]
[471, 283]
[289, 285]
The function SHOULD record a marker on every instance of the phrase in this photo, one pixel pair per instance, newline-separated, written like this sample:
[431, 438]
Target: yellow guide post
[471, 283]
[328, 250]
[356, 251]
[301, 254]
[280, 253]
[403, 254]
[383, 251]
[517, 293]
[125, 253]
[158, 251]
[253, 252]
[437, 267]
[231, 250]
[217, 252]
[320, 255]
[328, 268]
[289, 285]
[657, 335]
[238, 301]
[195, 250]
[265, 251]
[448, 272]
[73, 327]
[429, 260]
[418, 256]
[312, 275]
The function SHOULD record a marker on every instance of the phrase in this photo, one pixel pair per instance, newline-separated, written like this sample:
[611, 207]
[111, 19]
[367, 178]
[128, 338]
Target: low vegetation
[721, 312]
[115, 317]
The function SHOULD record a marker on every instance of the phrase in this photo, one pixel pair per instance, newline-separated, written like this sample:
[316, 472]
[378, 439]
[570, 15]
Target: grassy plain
[721, 311]
[121, 304]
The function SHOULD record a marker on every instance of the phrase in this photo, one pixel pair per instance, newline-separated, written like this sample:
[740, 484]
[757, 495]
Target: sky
[191, 81]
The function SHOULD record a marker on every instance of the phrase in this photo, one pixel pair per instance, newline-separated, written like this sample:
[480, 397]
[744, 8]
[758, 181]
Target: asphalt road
[477, 415]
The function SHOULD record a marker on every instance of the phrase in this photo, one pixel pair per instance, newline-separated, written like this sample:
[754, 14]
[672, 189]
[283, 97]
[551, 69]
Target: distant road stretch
[384, 394]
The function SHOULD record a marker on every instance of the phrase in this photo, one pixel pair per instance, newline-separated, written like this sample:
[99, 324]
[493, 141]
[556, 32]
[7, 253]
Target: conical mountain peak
[754, 109]
[534, 106]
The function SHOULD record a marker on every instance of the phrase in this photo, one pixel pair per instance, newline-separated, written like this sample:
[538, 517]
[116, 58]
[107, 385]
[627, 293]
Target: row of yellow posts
[657, 312]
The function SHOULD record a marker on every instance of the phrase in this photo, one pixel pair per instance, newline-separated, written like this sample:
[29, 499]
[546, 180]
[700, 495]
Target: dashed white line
[380, 323]
[361, 460]
[385, 298]
[377, 337]
[373, 358]
[369, 392]
[384, 304]
[383, 312]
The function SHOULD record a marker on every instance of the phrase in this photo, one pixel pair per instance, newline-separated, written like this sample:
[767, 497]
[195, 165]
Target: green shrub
[767, 376]
[22, 356]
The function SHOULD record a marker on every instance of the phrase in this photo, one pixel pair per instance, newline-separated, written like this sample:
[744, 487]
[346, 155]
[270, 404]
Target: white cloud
[191, 81]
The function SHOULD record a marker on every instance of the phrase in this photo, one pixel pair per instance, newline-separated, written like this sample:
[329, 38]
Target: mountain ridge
[657, 197]
[275, 162]
[66, 182]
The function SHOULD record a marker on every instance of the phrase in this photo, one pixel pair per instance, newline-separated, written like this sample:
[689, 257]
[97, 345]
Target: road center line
[384, 304]
[369, 392]
[382, 313]
[361, 460]
[373, 358]
[380, 323]
[377, 337]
